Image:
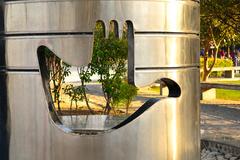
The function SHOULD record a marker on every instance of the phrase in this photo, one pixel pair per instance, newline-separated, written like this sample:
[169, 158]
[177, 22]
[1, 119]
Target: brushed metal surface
[161, 48]
[75, 50]
[168, 130]
[81, 16]
[163, 43]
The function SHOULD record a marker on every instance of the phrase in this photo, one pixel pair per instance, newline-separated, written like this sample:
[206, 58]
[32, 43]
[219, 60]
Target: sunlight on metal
[163, 43]
[173, 15]
[174, 140]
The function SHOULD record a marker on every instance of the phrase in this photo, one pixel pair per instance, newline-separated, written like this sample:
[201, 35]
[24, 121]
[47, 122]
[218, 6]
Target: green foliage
[227, 94]
[109, 57]
[75, 93]
[128, 92]
[219, 63]
[122, 93]
[85, 77]
[125, 95]
[85, 74]
[109, 61]
[220, 20]
[220, 23]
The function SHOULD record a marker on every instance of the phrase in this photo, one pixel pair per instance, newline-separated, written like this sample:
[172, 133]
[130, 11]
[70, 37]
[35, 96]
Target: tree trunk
[108, 107]
[85, 97]
[76, 106]
[206, 71]
[71, 107]
[54, 93]
[127, 107]
[205, 76]
[228, 52]
[114, 110]
[205, 67]
[59, 107]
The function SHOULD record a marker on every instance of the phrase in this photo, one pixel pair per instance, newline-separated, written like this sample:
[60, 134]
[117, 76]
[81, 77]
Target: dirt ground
[97, 101]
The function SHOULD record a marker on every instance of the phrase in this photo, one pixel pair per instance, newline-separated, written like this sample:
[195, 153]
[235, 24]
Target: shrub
[219, 63]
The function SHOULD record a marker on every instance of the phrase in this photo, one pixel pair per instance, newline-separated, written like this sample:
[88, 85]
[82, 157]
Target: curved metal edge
[75, 50]
[139, 112]
[2, 42]
[220, 146]
[54, 115]
[45, 78]
[4, 130]
[4, 110]
[131, 62]
[173, 87]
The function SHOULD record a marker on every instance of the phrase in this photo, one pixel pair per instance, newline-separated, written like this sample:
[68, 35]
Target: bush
[124, 94]
[219, 63]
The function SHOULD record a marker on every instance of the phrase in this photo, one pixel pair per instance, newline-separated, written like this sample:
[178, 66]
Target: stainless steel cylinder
[163, 44]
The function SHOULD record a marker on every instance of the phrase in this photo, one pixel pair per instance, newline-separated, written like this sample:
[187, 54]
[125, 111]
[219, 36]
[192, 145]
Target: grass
[229, 82]
[225, 94]
[155, 89]
[228, 94]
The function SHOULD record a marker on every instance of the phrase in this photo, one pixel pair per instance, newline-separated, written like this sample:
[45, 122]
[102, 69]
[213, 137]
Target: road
[221, 123]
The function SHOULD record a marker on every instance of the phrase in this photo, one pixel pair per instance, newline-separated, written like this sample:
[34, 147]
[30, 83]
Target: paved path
[221, 123]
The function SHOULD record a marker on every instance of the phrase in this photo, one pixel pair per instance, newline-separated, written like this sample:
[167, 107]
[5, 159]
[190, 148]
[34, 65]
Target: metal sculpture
[163, 44]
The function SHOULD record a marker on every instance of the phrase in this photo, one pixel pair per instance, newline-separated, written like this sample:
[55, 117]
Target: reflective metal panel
[164, 44]
[162, 132]
[49, 16]
[80, 16]
[166, 50]
[173, 16]
[75, 50]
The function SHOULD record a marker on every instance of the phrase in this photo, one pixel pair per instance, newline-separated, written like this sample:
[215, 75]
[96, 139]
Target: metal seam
[44, 34]
[164, 68]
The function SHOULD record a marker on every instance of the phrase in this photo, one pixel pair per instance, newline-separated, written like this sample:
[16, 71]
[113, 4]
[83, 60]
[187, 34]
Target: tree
[220, 22]
[125, 94]
[128, 93]
[58, 71]
[85, 77]
[75, 94]
[109, 62]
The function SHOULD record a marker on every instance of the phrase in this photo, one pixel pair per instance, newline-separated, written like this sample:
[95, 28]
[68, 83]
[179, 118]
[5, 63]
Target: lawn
[228, 94]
